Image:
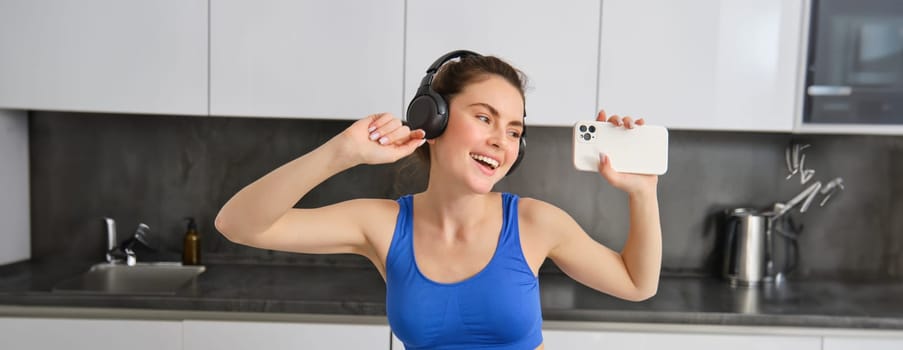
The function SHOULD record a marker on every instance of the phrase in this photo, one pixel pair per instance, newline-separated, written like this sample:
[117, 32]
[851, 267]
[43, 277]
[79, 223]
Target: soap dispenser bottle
[191, 250]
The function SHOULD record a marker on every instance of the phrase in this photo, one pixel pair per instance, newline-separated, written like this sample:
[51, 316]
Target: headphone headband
[448, 57]
[431, 71]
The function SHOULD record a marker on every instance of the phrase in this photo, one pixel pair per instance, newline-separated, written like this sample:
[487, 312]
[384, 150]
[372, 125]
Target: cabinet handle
[829, 90]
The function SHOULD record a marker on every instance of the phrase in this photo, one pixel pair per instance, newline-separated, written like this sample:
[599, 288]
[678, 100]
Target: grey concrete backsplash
[160, 169]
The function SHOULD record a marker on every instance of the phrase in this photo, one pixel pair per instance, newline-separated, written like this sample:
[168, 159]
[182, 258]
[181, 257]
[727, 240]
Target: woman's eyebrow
[495, 113]
[492, 110]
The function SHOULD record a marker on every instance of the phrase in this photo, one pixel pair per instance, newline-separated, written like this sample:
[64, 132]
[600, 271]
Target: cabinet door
[224, 335]
[554, 43]
[15, 241]
[856, 343]
[317, 59]
[85, 334]
[577, 340]
[129, 56]
[702, 64]
[396, 343]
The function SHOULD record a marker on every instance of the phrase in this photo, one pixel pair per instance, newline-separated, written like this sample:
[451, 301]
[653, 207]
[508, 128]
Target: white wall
[15, 224]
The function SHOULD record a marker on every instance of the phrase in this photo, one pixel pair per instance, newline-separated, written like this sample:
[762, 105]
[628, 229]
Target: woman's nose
[498, 139]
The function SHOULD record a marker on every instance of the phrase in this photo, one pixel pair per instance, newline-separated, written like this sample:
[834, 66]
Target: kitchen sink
[159, 278]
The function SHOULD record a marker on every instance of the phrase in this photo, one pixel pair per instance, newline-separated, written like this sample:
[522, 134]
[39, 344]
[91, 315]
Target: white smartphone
[641, 150]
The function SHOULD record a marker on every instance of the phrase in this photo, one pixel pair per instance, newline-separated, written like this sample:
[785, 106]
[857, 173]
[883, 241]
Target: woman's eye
[514, 134]
[484, 118]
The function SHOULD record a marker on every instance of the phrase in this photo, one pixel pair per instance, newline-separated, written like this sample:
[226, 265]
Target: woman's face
[481, 140]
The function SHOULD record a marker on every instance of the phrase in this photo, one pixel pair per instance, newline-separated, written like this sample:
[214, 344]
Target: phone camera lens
[592, 128]
[583, 128]
[587, 136]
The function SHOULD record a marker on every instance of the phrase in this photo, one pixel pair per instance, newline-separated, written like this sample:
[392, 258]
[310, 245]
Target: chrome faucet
[116, 253]
[111, 238]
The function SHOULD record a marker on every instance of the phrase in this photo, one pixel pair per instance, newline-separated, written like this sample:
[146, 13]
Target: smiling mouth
[492, 163]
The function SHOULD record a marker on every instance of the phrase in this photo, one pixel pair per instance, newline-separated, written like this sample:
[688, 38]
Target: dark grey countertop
[360, 291]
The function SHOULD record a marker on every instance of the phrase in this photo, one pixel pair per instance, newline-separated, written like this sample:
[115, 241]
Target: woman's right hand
[379, 139]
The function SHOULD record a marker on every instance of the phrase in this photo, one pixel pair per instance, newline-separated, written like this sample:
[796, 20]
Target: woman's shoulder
[374, 205]
[541, 223]
[538, 212]
[377, 216]
[371, 210]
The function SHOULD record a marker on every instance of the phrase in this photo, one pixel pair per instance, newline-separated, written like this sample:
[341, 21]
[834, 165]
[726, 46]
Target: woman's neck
[454, 213]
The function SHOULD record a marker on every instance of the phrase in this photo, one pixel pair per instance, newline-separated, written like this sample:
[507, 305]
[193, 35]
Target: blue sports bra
[498, 308]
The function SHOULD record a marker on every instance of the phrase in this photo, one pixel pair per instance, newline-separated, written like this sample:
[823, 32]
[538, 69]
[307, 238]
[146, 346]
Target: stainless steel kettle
[748, 247]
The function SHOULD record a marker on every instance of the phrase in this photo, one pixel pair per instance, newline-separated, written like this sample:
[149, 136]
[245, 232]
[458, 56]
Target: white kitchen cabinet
[89, 334]
[15, 239]
[312, 59]
[554, 43]
[226, 335]
[857, 343]
[579, 340]
[129, 56]
[702, 64]
[396, 343]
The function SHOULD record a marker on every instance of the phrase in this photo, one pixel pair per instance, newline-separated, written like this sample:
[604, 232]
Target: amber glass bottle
[191, 250]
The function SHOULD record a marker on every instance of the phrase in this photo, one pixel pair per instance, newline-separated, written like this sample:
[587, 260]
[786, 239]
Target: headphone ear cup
[428, 111]
[520, 155]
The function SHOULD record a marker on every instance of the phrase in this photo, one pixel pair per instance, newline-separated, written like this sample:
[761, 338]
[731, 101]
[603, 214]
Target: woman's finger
[601, 116]
[416, 139]
[640, 121]
[605, 168]
[396, 137]
[628, 122]
[389, 124]
[377, 120]
[615, 119]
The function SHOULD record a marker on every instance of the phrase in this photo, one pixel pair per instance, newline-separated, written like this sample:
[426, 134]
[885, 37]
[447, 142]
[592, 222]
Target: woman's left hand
[630, 183]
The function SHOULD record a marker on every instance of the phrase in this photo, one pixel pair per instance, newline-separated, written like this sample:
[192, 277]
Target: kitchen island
[356, 296]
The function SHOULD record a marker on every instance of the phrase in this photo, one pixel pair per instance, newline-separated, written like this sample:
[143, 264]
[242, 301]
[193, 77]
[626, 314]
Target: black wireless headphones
[429, 111]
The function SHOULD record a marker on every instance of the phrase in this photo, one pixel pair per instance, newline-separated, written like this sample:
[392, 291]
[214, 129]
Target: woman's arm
[642, 253]
[633, 273]
[261, 214]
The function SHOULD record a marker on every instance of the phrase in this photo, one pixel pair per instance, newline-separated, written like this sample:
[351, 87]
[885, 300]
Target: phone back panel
[641, 150]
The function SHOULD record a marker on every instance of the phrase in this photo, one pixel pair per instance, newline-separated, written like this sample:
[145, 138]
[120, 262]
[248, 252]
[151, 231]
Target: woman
[462, 272]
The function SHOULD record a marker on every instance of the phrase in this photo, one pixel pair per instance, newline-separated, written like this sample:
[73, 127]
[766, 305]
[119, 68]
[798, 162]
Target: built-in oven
[855, 62]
